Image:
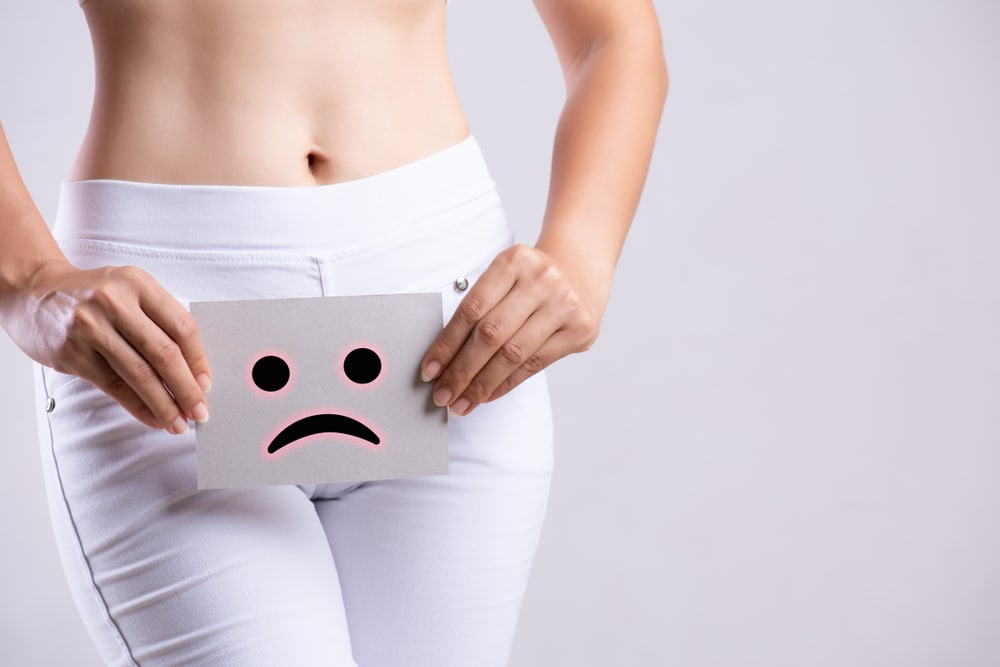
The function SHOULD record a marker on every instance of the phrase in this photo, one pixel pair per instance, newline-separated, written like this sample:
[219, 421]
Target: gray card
[313, 390]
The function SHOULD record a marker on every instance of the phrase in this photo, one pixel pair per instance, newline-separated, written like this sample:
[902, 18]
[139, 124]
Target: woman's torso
[266, 92]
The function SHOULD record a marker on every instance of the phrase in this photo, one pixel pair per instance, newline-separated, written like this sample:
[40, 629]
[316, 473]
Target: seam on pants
[325, 275]
[112, 624]
[193, 256]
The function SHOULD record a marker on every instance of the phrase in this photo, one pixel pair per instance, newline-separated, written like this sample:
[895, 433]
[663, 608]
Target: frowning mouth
[322, 423]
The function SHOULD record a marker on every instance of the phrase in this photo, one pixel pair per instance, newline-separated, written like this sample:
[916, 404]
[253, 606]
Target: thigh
[434, 569]
[165, 574]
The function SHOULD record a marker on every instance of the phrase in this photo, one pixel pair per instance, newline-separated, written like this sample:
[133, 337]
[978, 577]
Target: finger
[165, 357]
[165, 354]
[492, 286]
[555, 348]
[181, 326]
[143, 378]
[494, 329]
[520, 350]
[97, 372]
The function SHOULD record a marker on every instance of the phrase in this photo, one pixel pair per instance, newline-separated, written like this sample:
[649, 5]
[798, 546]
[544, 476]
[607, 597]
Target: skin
[303, 92]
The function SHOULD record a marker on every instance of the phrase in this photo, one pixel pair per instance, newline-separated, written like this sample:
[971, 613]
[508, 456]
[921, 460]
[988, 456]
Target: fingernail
[442, 396]
[200, 413]
[204, 382]
[461, 405]
[430, 371]
[179, 426]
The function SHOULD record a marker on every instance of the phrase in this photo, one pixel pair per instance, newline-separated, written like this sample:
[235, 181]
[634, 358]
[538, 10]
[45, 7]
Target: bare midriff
[266, 92]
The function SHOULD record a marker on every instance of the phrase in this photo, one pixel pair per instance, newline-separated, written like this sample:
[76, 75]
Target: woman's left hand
[526, 311]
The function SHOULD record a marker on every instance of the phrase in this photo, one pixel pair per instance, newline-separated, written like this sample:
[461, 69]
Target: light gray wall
[783, 450]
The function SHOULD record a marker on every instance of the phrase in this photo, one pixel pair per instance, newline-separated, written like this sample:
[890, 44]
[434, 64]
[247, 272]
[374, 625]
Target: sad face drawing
[360, 368]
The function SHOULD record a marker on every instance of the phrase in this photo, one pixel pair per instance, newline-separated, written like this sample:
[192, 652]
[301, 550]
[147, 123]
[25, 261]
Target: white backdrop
[783, 449]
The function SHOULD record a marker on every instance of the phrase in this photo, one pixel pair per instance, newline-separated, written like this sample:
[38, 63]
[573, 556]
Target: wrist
[28, 248]
[21, 275]
[588, 272]
[587, 260]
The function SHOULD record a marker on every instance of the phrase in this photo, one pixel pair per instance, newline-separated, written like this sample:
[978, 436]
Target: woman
[249, 149]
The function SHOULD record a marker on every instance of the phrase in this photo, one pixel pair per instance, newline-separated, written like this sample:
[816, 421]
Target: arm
[535, 305]
[115, 327]
[27, 241]
[616, 82]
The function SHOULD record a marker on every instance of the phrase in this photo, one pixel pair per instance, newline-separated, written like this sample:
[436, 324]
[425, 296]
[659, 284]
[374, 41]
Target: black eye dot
[270, 373]
[362, 365]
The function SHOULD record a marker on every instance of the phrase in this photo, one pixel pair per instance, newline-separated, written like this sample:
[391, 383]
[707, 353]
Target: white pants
[422, 571]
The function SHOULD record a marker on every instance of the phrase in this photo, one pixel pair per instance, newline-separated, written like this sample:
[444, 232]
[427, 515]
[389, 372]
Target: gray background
[783, 449]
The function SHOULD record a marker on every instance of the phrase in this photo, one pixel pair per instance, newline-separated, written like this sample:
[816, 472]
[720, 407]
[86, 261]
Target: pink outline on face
[270, 352]
[303, 414]
[351, 383]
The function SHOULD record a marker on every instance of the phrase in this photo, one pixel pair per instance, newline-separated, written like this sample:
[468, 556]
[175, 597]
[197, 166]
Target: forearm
[603, 144]
[25, 240]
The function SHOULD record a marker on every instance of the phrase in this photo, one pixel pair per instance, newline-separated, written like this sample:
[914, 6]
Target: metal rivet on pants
[50, 404]
[462, 284]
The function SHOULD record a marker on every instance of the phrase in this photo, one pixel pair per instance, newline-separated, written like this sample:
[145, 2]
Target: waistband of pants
[223, 217]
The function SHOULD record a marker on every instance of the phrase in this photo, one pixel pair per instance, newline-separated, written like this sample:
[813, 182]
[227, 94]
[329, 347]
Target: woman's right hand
[120, 330]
